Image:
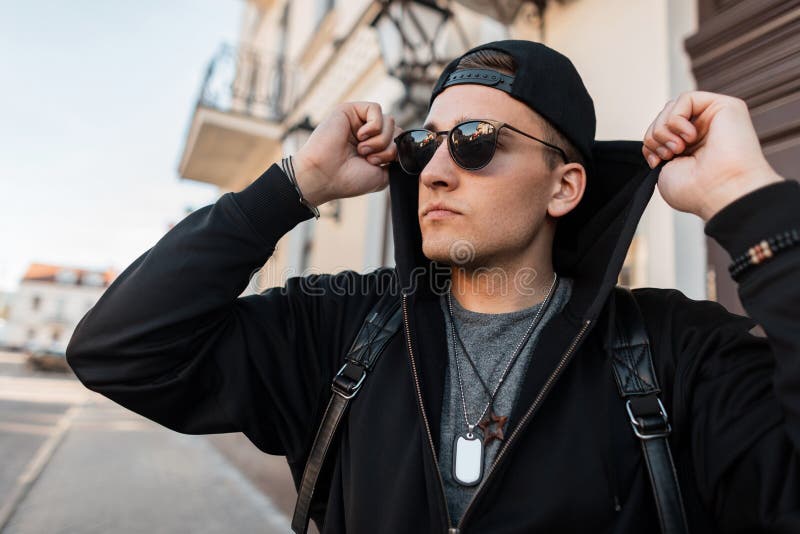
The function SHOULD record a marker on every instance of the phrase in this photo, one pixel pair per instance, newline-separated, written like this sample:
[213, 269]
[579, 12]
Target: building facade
[296, 60]
[49, 303]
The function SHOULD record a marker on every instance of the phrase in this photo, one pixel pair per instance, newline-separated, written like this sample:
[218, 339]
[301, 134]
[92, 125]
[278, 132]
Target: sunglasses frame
[498, 125]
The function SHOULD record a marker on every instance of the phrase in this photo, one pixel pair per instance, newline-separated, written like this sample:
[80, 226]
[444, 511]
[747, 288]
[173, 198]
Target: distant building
[50, 301]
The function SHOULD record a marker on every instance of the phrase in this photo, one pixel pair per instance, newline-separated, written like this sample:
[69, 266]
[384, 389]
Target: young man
[529, 220]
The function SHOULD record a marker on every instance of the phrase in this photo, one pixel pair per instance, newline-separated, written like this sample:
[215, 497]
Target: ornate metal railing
[243, 80]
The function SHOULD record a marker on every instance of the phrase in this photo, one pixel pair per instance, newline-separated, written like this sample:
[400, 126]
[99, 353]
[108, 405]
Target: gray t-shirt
[490, 339]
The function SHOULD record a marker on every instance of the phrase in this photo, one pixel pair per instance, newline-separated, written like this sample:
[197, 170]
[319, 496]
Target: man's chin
[449, 251]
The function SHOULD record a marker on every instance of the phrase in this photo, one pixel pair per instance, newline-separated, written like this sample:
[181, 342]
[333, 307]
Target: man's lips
[439, 210]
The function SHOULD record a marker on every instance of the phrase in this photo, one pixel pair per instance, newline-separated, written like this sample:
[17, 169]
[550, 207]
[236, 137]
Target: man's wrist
[287, 165]
[734, 189]
[755, 217]
[310, 180]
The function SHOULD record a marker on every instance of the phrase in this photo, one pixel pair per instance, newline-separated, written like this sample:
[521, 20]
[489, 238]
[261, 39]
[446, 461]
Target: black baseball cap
[545, 80]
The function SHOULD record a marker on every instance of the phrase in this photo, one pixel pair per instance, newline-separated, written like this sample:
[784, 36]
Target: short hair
[505, 63]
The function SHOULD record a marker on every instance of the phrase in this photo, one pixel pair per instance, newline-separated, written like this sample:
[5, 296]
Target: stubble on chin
[435, 251]
[450, 250]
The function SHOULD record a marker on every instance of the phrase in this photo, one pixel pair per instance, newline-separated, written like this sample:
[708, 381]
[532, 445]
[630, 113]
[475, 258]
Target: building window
[36, 302]
[66, 276]
[93, 279]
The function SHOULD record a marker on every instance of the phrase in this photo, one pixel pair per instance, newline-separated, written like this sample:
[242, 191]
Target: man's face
[496, 210]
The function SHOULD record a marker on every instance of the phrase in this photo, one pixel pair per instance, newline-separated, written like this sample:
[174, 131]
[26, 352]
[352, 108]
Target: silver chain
[517, 350]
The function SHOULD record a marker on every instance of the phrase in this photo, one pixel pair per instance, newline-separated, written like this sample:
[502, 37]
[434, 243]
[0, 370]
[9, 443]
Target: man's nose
[440, 171]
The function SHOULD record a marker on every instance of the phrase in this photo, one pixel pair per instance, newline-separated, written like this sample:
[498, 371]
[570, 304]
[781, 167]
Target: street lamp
[417, 39]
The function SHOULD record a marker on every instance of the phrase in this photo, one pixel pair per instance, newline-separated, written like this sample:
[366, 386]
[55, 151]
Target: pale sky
[95, 101]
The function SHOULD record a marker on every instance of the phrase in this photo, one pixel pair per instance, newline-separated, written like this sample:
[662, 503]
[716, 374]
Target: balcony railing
[245, 81]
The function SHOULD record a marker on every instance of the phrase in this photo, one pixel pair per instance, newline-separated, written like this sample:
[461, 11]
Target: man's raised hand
[713, 152]
[345, 156]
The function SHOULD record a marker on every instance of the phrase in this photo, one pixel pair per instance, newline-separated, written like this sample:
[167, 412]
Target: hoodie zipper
[424, 415]
[523, 422]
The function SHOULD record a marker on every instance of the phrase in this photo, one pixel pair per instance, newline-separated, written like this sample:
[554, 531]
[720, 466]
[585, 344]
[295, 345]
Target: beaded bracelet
[288, 169]
[763, 251]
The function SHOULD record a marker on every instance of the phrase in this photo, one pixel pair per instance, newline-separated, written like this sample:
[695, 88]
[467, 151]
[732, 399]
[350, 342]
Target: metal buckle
[345, 386]
[654, 433]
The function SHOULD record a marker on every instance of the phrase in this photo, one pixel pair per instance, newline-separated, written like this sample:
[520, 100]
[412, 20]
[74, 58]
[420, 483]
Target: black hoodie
[172, 340]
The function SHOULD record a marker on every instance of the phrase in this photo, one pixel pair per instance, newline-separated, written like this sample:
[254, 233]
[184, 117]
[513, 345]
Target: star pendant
[490, 420]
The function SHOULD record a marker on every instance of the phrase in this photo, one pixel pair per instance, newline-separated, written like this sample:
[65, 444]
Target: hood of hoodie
[590, 242]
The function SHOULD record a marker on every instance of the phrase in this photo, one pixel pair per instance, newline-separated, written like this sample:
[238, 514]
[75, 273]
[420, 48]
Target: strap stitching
[632, 362]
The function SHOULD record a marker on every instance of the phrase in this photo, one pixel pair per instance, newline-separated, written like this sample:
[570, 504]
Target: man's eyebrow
[432, 125]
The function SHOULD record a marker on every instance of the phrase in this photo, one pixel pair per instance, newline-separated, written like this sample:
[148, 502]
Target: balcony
[236, 128]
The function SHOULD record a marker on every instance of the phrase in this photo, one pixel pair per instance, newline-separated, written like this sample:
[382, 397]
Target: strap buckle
[347, 381]
[645, 423]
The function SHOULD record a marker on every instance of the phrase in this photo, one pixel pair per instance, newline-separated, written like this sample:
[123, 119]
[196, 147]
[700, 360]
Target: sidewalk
[117, 472]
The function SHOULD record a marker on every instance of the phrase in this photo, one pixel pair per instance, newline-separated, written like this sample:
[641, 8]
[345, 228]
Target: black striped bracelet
[288, 168]
[763, 251]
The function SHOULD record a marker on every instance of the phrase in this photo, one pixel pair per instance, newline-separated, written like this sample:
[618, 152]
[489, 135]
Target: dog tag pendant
[468, 459]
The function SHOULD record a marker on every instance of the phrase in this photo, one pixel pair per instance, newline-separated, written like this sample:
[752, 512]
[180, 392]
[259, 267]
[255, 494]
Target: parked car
[48, 360]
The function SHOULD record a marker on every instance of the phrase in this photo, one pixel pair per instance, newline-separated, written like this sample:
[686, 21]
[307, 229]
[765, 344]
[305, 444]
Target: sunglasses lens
[415, 149]
[473, 143]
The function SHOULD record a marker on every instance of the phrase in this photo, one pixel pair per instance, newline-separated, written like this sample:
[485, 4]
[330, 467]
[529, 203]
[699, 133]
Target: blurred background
[120, 118]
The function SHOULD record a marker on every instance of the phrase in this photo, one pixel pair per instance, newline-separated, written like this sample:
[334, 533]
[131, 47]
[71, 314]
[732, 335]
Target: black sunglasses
[471, 144]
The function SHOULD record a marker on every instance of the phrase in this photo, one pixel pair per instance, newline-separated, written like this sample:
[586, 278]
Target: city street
[75, 462]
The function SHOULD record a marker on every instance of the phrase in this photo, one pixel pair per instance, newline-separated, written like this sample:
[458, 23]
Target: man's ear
[568, 187]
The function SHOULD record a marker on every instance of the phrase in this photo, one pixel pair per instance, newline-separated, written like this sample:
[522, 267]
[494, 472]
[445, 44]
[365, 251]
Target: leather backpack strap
[636, 379]
[382, 322]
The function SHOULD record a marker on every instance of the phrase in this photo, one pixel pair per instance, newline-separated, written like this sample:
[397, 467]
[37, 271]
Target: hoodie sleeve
[172, 340]
[736, 396]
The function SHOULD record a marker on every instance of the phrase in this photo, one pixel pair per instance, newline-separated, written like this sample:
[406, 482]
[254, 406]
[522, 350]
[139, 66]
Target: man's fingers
[687, 109]
[368, 113]
[651, 157]
[682, 127]
[385, 156]
[659, 139]
[691, 104]
[648, 141]
[380, 141]
[673, 131]
[651, 146]
[668, 144]
[390, 153]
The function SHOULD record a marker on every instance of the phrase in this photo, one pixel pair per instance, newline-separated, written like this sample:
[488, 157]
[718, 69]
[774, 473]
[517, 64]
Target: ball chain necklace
[468, 448]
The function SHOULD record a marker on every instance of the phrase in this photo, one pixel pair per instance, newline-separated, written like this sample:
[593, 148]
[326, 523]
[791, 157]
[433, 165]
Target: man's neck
[502, 289]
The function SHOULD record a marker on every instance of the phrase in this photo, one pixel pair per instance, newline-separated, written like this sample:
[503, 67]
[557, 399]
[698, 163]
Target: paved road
[75, 462]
